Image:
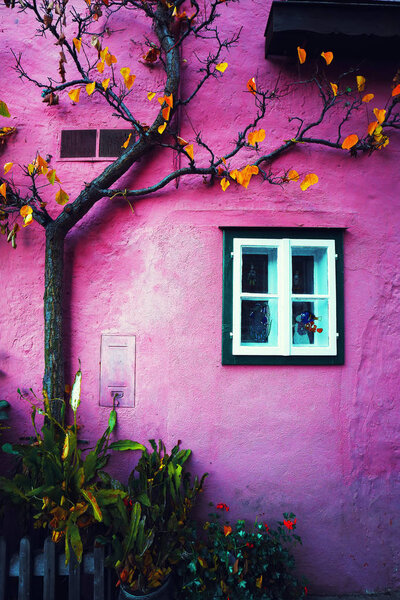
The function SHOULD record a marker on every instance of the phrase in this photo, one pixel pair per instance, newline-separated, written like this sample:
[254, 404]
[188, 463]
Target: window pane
[111, 141]
[259, 272]
[78, 143]
[309, 270]
[259, 323]
[310, 323]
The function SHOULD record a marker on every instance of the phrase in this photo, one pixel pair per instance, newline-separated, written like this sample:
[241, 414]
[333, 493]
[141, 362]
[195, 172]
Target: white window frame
[284, 297]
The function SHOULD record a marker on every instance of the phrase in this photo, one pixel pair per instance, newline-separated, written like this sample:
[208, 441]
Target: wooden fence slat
[74, 579]
[3, 568]
[98, 575]
[49, 570]
[24, 580]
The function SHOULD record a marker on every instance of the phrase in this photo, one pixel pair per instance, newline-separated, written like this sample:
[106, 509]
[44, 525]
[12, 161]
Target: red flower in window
[223, 506]
[288, 523]
[266, 527]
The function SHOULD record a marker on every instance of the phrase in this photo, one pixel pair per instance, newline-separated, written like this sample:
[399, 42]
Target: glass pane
[259, 323]
[309, 270]
[310, 323]
[259, 272]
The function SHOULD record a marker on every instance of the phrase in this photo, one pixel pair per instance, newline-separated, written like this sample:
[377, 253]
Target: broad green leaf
[126, 445]
[4, 112]
[112, 420]
[144, 499]
[75, 538]
[96, 509]
[133, 528]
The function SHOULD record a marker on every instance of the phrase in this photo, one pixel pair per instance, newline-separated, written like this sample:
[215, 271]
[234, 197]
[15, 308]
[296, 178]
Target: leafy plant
[4, 406]
[225, 560]
[148, 540]
[67, 492]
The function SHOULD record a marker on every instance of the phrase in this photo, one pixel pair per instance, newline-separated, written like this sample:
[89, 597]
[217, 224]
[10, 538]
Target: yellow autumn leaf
[334, 88]
[62, 197]
[380, 114]
[3, 188]
[125, 72]
[162, 127]
[181, 141]
[233, 174]
[4, 112]
[129, 81]
[31, 168]
[224, 184]
[302, 54]
[308, 180]
[7, 167]
[221, 67]
[251, 86]
[27, 220]
[189, 150]
[150, 95]
[100, 67]
[65, 447]
[293, 175]
[368, 97]
[360, 83]
[105, 83]
[74, 94]
[25, 210]
[103, 54]
[350, 141]
[52, 177]
[328, 56]
[126, 143]
[77, 43]
[165, 113]
[257, 136]
[90, 88]
[259, 582]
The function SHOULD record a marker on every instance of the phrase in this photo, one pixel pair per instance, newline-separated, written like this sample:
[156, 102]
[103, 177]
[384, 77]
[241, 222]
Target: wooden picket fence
[27, 566]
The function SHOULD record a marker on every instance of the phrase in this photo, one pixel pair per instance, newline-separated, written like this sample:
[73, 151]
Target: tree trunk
[53, 379]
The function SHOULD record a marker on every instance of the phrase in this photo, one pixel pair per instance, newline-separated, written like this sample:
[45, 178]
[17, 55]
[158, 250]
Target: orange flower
[227, 530]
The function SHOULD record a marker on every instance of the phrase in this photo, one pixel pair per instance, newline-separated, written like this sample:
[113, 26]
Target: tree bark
[53, 379]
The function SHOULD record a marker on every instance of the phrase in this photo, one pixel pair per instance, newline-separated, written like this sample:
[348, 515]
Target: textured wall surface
[319, 441]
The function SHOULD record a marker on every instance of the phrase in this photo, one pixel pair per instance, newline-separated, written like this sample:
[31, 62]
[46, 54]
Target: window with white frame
[283, 296]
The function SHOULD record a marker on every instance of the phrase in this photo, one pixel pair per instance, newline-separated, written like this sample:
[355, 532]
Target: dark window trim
[229, 233]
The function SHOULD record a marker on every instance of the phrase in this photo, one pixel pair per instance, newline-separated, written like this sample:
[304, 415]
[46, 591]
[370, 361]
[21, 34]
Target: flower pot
[164, 592]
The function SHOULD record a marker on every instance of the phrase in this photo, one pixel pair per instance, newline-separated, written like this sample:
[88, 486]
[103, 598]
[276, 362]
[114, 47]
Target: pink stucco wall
[320, 441]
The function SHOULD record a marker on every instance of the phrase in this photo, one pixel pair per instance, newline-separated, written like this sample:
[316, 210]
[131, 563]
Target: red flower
[250, 545]
[266, 527]
[223, 506]
[305, 590]
[289, 524]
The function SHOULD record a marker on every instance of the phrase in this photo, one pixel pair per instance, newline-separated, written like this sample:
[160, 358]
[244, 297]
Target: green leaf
[89, 466]
[9, 449]
[4, 404]
[75, 538]
[96, 509]
[122, 445]
[144, 499]
[4, 110]
[133, 528]
[112, 420]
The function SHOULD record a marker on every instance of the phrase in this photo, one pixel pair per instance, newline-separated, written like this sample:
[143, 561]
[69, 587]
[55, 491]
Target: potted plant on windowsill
[150, 533]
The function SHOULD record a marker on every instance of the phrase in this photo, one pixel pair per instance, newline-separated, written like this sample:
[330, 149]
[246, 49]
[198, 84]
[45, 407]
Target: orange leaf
[227, 530]
[129, 81]
[77, 43]
[380, 114]
[371, 127]
[7, 167]
[125, 144]
[259, 582]
[181, 141]
[255, 137]
[293, 175]
[224, 184]
[165, 113]
[105, 83]
[162, 128]
[221, 67]
[41, 165]
[62, 197]
[110, 59]
[334, 88]
[233, 174]
[367, 98]
[308, 180]
[350, 141]
[100, 67]
[150, 95]
[3, 188]
[74, 95]
[169, 100]
[328, 56]
[360, 83]
[25, 210]
[396, 90]
[161, 100]
[189, 150]
[251, 85]
[90, 88]
[301, 54]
